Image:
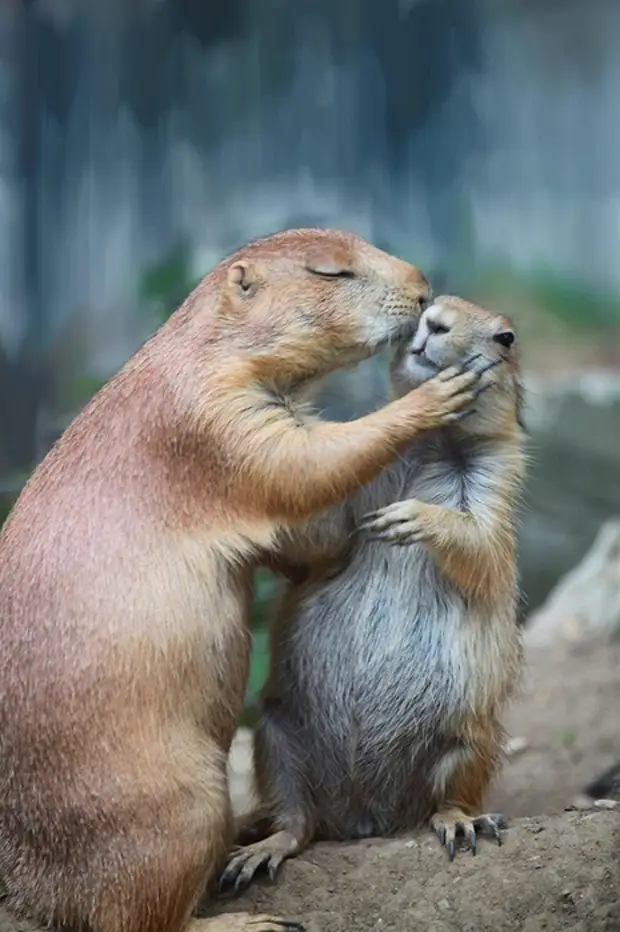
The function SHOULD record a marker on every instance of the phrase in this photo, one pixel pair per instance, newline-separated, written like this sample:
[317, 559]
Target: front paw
[400, 523]
[449, 823]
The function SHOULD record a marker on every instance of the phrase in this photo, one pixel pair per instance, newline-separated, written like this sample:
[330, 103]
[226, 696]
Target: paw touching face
[452, 332]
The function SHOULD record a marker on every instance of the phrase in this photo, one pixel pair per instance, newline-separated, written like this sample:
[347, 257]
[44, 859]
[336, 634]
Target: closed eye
[329, 271]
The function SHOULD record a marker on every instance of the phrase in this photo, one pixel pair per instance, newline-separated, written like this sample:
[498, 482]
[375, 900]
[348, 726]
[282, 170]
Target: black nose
[435, 326]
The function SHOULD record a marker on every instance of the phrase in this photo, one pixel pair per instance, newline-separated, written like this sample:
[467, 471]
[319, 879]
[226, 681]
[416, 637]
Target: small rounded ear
[504, 338]
[242, 277]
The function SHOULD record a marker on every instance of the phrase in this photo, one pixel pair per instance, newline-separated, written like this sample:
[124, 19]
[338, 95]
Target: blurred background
[141, 140]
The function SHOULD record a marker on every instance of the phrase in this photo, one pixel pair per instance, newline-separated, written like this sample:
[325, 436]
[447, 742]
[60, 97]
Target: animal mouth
[423, 360]
[404, 330]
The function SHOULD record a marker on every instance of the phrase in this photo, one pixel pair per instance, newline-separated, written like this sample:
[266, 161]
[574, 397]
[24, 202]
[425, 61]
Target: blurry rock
[573, 486]
[603, 792]
[586, 602]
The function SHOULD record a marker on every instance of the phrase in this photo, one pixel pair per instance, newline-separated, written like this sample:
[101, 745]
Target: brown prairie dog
[126, 574]
[387, 683]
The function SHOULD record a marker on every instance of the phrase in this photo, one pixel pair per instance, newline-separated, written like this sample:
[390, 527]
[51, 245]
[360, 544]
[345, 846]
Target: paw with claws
[449, 824]
[448, 397]
[263, 856]
[245, 922]
[400, 523]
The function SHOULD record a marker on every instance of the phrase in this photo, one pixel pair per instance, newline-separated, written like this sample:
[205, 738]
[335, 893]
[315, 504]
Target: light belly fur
[384, 656]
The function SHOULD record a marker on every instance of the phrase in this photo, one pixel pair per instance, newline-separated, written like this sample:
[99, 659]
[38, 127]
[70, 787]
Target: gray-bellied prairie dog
[126, 575]
[382, 708]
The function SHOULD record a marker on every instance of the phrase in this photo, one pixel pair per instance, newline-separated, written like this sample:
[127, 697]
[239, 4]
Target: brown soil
[569, 713]
[552, 874]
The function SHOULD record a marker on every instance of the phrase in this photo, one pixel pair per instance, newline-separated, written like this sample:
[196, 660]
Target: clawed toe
[269, 924]
[261, 857]
[488, 367]
[448, 829]
[240, 872]
[456, 416]
[466, 364]
[491, 824]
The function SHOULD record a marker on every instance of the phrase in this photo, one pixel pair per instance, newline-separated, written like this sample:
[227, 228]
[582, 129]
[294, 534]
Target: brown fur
[126, 575]
[332, 758]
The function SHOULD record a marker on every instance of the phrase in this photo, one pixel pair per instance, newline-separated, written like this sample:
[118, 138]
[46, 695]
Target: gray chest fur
[379, 658]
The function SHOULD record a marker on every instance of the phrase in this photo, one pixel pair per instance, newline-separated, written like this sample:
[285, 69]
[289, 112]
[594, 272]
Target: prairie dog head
[452, 331]
[301, 303]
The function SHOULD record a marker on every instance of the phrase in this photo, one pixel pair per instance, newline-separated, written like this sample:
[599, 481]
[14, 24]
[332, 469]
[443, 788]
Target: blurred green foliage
[571, 301]
[164, 286]
[6, 503]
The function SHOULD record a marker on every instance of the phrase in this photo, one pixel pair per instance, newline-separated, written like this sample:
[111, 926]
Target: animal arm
[474, 548]
[473, 551]
[301, 468]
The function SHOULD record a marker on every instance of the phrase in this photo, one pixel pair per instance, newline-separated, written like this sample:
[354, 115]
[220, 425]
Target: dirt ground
[569, 715]
[553, 874]
[556, 870]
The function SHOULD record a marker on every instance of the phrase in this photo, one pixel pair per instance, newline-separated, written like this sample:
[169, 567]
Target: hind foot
[244, 922]
[266, 856]
[447, 823]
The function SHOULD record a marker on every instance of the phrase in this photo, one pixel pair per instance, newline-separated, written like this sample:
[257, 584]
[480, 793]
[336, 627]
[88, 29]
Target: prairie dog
[126, 575]
[387, 683]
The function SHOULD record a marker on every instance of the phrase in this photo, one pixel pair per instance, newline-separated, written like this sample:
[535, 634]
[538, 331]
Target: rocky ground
[553, 873]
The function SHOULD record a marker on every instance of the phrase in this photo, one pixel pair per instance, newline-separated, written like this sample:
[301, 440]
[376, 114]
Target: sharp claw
[452, 849]
[289, 924]
[240, 884]
[460, 415]
[490, 365]
[273, 868]
[467, 362]
[229, 875]
[469, 832]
